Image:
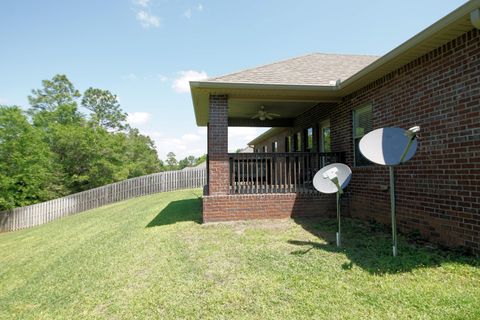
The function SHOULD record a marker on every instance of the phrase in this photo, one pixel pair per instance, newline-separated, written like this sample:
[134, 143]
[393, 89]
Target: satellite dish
[322, 181]
[390, 147]
[333, 179]
[386, 146]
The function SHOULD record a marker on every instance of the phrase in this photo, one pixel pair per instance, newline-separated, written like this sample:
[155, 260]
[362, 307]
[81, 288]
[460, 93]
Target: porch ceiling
[244, 100]
[247, 109]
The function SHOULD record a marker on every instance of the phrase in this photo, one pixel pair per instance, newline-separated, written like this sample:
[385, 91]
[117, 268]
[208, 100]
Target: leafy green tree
[142, 157]
[172, 162]
[189, 161]
[26, 168]
[201, 159]
[58, 91]
[89, 158]
[106, 111]
[61, 151]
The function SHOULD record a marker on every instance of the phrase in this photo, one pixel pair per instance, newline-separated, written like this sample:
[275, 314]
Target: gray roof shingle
[313, 69]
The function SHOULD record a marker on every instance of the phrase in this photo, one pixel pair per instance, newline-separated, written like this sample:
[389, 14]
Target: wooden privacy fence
[40, 213]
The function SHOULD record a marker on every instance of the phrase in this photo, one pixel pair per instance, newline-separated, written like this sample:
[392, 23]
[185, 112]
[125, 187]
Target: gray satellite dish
[390, 147]
[386, 146]
[333, 179]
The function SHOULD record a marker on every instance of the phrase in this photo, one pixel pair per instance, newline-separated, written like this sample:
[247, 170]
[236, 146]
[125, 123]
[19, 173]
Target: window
[362, 124]
[265, 149]
[309, 138]
[274, 146]
[298, 141]
[324, 137]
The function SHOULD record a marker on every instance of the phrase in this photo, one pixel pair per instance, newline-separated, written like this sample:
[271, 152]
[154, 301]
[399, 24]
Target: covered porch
[272, 182]
[282, 166]
[275, 181]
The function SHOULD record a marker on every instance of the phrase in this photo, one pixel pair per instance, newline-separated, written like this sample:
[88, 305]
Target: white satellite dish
[390, 147]
[333, 179]
[386, 146]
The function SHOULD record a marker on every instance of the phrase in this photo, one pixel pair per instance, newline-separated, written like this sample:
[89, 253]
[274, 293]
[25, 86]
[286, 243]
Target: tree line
[52, 149]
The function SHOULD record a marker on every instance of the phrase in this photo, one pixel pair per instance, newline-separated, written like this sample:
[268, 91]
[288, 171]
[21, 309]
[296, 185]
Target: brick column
[218, 165]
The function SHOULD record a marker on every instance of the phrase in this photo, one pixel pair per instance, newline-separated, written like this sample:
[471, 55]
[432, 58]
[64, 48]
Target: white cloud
[142, 3]
[181, 83]
[148, 20]
[195, 143]
[191, 137]
[183, 146]
[3, 101]
[188, 14]
[200, 7]
[238, 137]
[138, 118]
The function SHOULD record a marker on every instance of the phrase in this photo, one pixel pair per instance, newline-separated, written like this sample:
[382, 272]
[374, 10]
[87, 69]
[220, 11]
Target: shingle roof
[312, 69]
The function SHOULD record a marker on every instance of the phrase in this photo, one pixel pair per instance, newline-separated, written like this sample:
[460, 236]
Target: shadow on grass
[368, 246]
[179, 211]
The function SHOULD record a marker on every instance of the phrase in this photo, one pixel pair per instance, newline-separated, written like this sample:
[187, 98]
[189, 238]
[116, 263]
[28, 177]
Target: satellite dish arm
[412, 135]
[332, 175]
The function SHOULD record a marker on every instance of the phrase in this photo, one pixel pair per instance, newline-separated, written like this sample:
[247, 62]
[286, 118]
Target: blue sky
[145, 51]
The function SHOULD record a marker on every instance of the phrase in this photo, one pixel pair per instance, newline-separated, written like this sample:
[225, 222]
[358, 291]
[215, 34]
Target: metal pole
[393, 214]
[338, 218]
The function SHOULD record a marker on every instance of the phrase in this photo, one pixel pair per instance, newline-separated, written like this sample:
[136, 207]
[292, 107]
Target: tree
[88, 157]
[201, 159]
[142, 157]
[106, 111]
[172, 162]
[61, 151]
[26, 167]
[56, 92]
[189, 161]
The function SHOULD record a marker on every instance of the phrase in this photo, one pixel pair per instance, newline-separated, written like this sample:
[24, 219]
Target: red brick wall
[218, 145]
[438, 191]
[310, 119]
[266, 206]
[280, 138]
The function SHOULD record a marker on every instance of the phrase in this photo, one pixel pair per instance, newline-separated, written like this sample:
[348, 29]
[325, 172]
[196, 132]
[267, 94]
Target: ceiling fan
[263, 115]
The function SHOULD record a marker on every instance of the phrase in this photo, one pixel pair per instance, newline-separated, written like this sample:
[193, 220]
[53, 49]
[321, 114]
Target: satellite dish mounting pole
[393, 210]
[339, 242]
[332, 179]
[381, 147]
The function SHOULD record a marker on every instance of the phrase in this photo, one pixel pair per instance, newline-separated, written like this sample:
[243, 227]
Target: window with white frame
[362, 124]
[274, 146]
[298, 141]
[324, 136]
[309, 139]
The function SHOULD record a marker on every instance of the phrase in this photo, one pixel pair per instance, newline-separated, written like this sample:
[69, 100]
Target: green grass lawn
[151, 258]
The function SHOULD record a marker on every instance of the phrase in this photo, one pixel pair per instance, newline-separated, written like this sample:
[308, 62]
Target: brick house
[325, 103]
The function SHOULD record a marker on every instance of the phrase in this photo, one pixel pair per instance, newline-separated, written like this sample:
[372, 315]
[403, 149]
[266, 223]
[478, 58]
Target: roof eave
[258, 86]
[200, 90]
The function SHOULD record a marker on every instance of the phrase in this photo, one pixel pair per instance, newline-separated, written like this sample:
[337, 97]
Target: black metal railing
[277, 172]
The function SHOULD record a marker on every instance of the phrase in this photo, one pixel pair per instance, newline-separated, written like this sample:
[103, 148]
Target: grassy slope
[150, 258]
